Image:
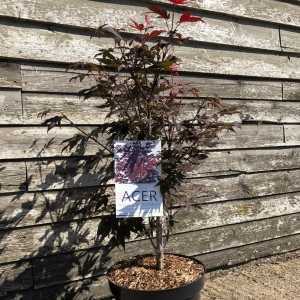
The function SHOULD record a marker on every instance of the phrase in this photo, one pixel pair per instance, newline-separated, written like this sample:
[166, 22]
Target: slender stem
[160, 250]
[87, 135]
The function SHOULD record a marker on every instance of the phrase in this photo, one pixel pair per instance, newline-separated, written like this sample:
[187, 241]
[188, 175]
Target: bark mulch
[141, 274]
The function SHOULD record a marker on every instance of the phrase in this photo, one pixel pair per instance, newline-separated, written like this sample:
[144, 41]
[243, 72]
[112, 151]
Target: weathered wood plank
[264, 111]
[235, 256]
[267, 10]
[46, 45]
[10, 75]
[224, 162]
[37, 79]
[69, 173]
[194, 243]
[12, 177]
[291, 91]
[80, 111]
[88, 112]
[255, 160]
[268, 111]
[232, 212]
[239, 89]
[50, 207]
[28, 209]
[290, 40]
[117, 15]
[39, 241]
[205, 190]
[35, 142]
[292, 134]
[57, 175]
[42, 79]
[92, 288]
[10, 106]
[251, 136]
[237, 63]
[15, 277]
[20, 42]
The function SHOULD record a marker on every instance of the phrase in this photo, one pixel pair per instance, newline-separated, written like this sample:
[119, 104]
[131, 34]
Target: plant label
[137, 176]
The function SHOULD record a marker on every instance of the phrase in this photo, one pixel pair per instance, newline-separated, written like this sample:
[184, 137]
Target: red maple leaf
[159, 11]
[155, 33]
[187, 17]
[178, 2]
[137, 26]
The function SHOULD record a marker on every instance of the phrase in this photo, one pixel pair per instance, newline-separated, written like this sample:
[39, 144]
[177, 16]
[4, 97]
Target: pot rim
[159, 291]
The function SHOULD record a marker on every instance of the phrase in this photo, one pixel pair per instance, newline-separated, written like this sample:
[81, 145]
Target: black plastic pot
[190, 291]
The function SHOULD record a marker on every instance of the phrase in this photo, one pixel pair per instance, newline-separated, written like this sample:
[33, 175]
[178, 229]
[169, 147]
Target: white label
[137, 175]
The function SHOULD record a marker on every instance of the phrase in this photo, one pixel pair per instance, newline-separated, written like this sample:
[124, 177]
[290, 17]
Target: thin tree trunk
[160, 249]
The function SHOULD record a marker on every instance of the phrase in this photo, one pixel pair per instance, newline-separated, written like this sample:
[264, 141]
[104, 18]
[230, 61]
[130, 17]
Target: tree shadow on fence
[54, 239]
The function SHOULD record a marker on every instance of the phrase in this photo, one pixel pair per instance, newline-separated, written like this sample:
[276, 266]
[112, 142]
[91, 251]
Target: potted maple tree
[143, 95]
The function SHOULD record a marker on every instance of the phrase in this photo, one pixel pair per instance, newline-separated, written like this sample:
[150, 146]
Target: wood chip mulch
[140, 273]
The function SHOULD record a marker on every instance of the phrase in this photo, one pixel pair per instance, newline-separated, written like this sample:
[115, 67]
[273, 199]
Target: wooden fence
[248, 53]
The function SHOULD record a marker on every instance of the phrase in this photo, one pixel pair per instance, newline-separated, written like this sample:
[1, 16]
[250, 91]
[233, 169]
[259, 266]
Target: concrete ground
[276, 278]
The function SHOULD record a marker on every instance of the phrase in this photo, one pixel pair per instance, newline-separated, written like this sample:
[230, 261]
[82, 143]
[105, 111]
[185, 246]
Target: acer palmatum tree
[139, 81]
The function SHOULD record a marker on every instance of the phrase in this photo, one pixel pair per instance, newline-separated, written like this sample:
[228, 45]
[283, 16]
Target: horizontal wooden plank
[233, 212]
[265, 111]
[235, 162]
[83, 289]
[225, 162]
[235, 89]
[50, 207]
[194, 243]
[12, 177]
[250, 136]
[205, 190]
[290, 40]
[28, 209]
[41, 79]
[267, 10]
[15, 277]
[47, 79]
[88, 112]
[40, 241]
[80, 111]
[69, 173]
[292, 134]
[291, 91]
[117, 15]
[237, 63]
[46, 45]
[10, 75]
[10, 106]
[19, 42]
[35, 142]
[235, 256]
